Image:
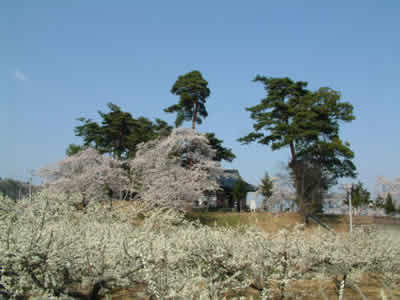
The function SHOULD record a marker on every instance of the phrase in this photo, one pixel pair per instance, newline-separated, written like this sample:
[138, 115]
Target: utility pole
[350, 199]
[31, 172]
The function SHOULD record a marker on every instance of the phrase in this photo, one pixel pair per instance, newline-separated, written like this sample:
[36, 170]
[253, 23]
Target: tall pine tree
[266, 189]
[193, 91]
[308, 124]
[389, 205]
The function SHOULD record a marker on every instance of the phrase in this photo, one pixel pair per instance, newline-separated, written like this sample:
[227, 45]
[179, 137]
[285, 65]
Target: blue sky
[60, 60]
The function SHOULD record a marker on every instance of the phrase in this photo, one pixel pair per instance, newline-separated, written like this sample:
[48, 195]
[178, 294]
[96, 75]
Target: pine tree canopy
[119, 133]
[193, 91]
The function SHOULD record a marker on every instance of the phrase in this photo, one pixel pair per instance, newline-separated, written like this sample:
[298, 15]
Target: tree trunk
[194, 115]
[299, 192]
[84, 201]
[265, 204]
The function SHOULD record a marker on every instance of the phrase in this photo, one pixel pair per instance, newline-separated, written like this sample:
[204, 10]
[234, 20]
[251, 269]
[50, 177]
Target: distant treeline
[15, 189]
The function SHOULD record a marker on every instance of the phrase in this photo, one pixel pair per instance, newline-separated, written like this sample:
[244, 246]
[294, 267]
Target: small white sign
[252, 205]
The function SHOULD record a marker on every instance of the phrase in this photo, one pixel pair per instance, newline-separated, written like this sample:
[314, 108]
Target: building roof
[230, 177]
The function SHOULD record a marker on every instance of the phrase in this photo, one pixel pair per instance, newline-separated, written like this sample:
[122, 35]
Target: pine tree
[389, 205]
[193, 91]
[239, 193]
[118, 134]
[222, 153]
[266, 187]
[308, 123]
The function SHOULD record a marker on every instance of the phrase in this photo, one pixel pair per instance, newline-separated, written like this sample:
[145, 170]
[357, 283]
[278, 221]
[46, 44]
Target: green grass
[220, 219]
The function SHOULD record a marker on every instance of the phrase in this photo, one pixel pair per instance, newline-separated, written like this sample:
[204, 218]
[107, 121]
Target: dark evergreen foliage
[74, 149]
[380, 202]
[118, 134]
[222, 152]
[193, 91]
[389, 205]
[266, 186]
[239, 193]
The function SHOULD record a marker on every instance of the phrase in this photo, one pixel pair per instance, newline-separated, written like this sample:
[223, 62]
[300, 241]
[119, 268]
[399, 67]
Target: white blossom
[384, 186]
[175, 171]
[50, 249]
[87, 173]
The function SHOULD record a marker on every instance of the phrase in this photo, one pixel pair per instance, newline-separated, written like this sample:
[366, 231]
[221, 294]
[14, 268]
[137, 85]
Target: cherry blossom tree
[283, 193]
[172, 171]
[384, 186]
[88, 173]
[175, 171]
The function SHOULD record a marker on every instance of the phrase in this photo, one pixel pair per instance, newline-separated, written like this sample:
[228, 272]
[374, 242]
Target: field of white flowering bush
[51, 250]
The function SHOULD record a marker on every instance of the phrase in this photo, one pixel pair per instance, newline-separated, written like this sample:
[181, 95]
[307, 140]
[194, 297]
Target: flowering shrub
[50, 249]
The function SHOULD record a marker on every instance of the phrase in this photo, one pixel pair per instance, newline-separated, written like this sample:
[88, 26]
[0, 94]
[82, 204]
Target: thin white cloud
[20, 76]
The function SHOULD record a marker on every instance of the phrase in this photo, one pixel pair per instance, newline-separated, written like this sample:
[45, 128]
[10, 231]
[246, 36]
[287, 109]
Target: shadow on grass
[216, 218]
[330, 219]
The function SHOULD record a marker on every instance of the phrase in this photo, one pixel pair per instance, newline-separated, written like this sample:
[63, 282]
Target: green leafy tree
[118, 131]
[92, 135]
[222, 152]
[239, 193]
[380, 202]
[359, 195]
[266, 189]
[118, 134]
[389, 205]
[308, 123]
[193, 91]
